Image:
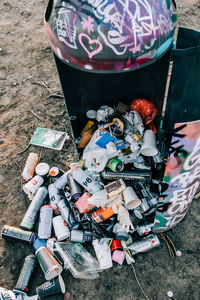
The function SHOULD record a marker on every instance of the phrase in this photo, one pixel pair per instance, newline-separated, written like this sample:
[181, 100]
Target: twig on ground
[36, 115]
[52, 94]
[40, 155]
[158, 263]
[168, 245]
[24, 149]
[20, 169]
[143, 292]
[55, 95]
[171, 243]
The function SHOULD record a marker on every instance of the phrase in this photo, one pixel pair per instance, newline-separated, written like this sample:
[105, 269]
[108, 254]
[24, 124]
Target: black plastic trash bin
[84, 90]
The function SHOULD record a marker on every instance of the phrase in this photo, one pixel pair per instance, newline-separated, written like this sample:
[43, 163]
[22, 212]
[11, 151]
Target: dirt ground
[26, 65]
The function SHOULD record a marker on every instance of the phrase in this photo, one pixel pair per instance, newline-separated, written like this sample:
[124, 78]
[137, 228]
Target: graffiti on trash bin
[91, 29]
[182, 177]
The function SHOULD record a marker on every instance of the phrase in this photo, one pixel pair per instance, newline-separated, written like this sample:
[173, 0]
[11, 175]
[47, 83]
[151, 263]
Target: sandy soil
[26, 65]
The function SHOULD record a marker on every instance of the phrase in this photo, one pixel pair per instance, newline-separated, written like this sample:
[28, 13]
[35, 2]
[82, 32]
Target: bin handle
[187, 51]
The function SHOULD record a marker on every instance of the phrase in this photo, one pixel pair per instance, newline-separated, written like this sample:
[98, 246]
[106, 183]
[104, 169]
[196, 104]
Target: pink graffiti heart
[91, 42]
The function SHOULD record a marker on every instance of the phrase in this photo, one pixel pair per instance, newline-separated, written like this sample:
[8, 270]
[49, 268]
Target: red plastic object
[147, 110]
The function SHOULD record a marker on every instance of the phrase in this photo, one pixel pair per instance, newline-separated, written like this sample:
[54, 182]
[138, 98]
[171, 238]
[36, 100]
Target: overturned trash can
[109, 53]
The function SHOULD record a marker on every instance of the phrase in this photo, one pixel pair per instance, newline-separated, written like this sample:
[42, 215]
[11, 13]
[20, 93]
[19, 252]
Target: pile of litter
[108, 199]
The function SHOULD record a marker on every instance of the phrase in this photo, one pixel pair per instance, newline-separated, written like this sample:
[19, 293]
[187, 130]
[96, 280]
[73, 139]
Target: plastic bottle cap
[178, 253]
[42, 169]
[170, 294]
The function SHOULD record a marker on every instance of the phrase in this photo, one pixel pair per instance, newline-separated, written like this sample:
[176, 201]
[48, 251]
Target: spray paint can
[67, 216]
[103, 214]
[85, 180]
[80, 236]
[31, 213]
[12, 232]
[128, 175]
[31, 187]
[49, 265]
[74, 188]
[144, 245]
[25, 275]
[60, 228]
[45, 223]
[30, 166]
[61, 182]
[50, 288]
[42, 169]
[115, 165]
[54, 197]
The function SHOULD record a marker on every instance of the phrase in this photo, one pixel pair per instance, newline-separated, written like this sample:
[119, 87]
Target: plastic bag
[78, 260]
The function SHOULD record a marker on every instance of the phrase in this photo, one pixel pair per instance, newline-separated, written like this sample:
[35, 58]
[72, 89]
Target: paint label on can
[114, 188]
[115, 165]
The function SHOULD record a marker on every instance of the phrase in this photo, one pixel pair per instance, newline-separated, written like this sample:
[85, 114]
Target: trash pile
[108, 199]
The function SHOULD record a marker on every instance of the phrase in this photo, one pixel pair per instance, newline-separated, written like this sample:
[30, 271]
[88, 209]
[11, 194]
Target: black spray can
[74, 188]
[26, 272]
[12, 232]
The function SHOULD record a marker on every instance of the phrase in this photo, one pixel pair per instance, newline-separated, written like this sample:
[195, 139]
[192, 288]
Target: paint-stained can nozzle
[54, 197]
[49, 265]
[45, 222]
[32, 211]
[31, 187]
[60, 228]
[144, 244]
[30, 166]
[15, 233]
[74, 188]
[80, 236]
[50, 288]
[25, 274]
[38, 243]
